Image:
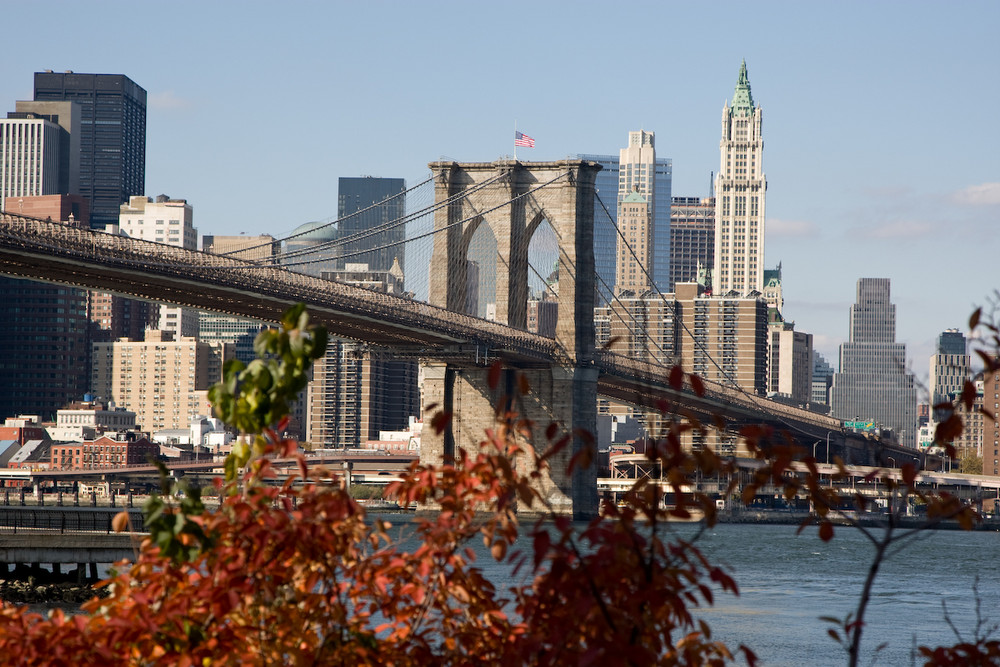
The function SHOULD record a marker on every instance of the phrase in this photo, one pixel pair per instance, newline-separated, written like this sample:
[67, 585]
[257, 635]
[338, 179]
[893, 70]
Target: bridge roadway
[363, 466]
[60, 253]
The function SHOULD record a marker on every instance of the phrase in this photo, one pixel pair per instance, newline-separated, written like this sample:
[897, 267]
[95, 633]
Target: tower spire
[742, 98]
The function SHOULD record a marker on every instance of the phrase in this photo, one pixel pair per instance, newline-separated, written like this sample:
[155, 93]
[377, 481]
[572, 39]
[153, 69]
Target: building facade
[112, 144]
[873, 383]
[371, 222]
[162, 379]
[722, 340]
[635, 245]
[356, 392]
[991, 423]
[740, 187]
[169, 221]
[790, 363]
[103, 452]
[29, 159]
[608, 184]
[692, 240]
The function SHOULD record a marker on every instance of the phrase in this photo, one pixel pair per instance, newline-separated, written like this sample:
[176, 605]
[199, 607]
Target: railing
[62, 240]
[60, 520]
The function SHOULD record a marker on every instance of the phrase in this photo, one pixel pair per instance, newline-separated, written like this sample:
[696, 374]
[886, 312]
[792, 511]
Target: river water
[788, 581]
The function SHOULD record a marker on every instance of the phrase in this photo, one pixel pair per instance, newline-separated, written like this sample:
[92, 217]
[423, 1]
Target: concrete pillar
[57, 569]
[348, 467]
[93, 571]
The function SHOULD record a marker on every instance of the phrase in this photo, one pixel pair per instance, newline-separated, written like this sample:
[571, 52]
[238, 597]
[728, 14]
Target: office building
[44, 337]
[873, 383]
[692, 240]
[240, 331]
[169, 221]
[949, 367]
[371, 222]
[739, 196]
[790, 363]
[356, 392]
[822, 380]
[722, 340]
[991, 424]
[609, 183]
[263, 248]
[635, 247]
[163, 379]
[29, 159]
[67, 116]
[112, 145]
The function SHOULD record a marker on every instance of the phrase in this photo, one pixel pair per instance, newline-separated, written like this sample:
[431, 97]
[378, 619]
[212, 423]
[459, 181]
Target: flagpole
[515, 141]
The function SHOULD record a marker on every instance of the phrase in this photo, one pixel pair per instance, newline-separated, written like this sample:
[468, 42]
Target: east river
[788, 581]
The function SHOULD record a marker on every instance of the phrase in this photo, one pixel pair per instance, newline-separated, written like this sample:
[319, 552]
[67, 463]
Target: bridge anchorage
[565, 391]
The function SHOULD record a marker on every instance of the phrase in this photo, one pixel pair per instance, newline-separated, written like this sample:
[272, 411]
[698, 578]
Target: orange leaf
[120, 522]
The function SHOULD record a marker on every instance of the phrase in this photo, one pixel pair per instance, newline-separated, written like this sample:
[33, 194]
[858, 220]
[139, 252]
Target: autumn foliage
[297, 573]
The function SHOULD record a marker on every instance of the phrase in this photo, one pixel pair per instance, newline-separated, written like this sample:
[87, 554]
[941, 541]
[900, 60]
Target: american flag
[521, 139]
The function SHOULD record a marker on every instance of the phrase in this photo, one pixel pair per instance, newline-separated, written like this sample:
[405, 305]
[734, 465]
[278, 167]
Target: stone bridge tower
[513, 199]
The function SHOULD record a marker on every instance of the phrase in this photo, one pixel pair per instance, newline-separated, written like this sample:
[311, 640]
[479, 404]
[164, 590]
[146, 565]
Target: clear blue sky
[881, 140]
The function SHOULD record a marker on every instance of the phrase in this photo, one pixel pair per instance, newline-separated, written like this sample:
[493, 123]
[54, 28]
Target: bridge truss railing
[655, 375]
[58, 239]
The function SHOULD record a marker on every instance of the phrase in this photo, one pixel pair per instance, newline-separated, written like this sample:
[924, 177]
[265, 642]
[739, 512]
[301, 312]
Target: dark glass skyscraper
[355, 195]
[112, 136]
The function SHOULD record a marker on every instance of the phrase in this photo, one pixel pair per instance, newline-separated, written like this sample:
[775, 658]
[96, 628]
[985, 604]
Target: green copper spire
[742, 98]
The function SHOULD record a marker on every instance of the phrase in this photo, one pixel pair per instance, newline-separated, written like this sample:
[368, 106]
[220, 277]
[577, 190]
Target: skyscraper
[873, 383]
[949, 367]
[44, 347]
[371, 225]
[739, 196]
[112, 136]
[635, 247]
[692, 239]
[609, 190]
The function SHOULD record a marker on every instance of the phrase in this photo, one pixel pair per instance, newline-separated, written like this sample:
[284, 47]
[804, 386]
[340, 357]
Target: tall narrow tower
[739, 196]
[636, 210]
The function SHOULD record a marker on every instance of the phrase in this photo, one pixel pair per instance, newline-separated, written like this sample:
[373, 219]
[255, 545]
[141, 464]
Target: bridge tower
[513, 199]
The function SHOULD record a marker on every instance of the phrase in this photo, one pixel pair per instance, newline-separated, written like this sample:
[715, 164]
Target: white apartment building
[29, 158]
[169, 221]
[739, 196]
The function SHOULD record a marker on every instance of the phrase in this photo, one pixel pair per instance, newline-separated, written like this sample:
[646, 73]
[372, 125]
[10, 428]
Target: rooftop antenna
[711, 184]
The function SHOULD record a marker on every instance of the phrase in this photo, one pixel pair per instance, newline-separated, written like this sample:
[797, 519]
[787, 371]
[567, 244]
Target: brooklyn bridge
[567, 372]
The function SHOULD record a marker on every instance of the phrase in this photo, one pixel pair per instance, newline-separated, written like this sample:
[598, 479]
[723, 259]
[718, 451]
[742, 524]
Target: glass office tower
[112, 136]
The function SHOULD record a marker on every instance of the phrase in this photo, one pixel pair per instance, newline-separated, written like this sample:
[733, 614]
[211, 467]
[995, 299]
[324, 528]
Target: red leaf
[494, 375]
[826, 531]
[542, 543]
[676, 377]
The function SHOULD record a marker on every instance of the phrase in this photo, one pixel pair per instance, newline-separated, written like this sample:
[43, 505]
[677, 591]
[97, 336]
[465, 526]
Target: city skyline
[878, 149]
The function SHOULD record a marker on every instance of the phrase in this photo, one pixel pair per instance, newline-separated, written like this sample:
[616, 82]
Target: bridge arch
[514, 199]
